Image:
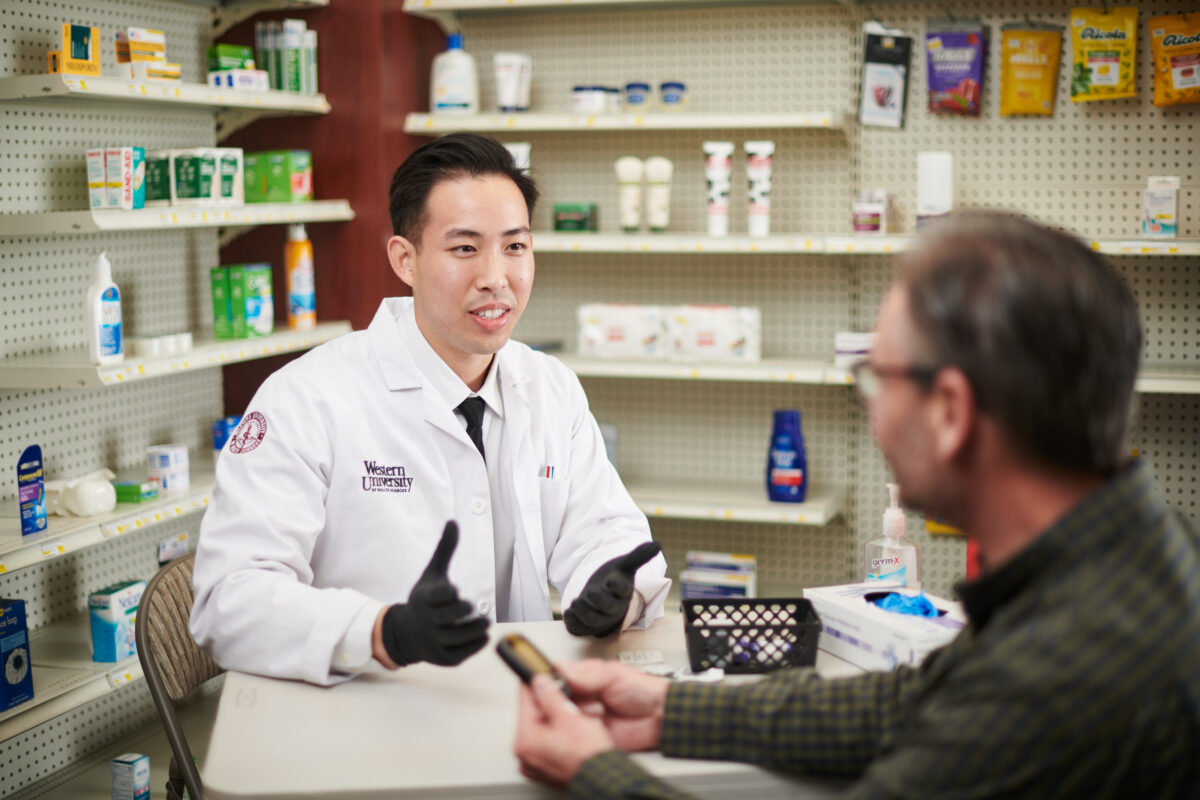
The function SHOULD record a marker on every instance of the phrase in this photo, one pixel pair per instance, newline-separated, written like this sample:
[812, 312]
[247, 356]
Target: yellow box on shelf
[79, 53]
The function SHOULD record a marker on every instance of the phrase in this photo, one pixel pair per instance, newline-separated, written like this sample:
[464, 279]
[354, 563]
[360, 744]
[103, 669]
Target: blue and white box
[719, 575]
[130, 775]
[17, 686]
[113, 610]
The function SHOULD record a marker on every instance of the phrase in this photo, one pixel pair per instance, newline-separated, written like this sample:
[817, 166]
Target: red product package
[955, 53]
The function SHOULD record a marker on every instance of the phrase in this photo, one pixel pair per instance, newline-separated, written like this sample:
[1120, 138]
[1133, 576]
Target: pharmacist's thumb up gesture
[435, 625]
[601, 606]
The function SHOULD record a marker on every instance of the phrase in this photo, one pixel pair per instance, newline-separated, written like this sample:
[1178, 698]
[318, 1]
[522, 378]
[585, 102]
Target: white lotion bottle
[454, 82]
[893, 558]
[630, 170]
[105, 340]
[718, 169]
[758, 174]
[658, 193]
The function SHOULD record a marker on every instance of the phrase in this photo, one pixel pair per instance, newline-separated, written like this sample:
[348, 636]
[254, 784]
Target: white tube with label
[718, 167]
[509, 68]
[658, 192]
[629, 192]
[758, 175]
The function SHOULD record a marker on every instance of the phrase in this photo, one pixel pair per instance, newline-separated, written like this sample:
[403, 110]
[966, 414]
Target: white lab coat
[300, 548]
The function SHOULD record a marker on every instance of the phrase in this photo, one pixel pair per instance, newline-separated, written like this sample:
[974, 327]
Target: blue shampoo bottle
[787, 466]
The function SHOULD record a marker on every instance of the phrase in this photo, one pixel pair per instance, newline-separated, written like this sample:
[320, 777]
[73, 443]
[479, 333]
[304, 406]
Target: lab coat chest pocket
[552, 495]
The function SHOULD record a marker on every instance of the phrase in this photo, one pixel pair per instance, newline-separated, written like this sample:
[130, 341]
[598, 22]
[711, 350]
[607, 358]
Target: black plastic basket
[751, 635]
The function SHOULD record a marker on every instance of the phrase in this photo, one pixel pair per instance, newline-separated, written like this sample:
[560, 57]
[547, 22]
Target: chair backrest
[172, 662]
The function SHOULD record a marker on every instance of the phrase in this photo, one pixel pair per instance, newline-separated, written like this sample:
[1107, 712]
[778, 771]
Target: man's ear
[402, 255]
[952, 413]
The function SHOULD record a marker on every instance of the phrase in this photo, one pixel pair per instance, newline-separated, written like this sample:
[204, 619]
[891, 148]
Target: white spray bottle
[893, 558]
[105, 340]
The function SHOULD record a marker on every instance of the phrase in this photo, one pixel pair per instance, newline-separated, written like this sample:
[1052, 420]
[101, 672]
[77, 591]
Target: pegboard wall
[163, 277]
[1082, 169]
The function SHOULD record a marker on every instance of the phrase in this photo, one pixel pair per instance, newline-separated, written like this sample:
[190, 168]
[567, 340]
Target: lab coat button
[478, 506]
[484, 607]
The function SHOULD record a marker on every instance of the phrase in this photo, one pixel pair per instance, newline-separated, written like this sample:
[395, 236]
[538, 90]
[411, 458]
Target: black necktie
[472, 411]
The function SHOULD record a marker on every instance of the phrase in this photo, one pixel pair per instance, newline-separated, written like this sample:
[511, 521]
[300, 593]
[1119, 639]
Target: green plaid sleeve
[793, 720]
[614, 775]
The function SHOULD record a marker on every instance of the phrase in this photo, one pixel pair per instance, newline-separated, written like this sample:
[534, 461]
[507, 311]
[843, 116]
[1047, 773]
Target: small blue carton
[17, 686]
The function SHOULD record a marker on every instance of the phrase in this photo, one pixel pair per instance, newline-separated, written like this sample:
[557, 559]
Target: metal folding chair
[174, 665]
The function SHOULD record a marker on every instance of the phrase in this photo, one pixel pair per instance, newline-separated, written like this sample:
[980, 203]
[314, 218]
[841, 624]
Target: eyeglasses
[868, 377]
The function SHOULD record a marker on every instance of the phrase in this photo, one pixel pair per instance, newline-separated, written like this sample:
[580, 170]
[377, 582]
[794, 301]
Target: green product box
[135, 491]
[229, 56]
[192, 176]
[158, 179]
[252, 300]
[278, 176]
[222, 304]
[575, 217]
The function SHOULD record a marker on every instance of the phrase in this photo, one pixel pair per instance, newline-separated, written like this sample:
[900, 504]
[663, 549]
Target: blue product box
[17, 686]
[113, 612]
[130, 774]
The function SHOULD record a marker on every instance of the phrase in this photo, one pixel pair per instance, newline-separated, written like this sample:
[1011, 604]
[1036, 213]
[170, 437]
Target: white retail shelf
[55, 691]
[446, 12]
[69, 369]
[60, 87]
[550, 242]
[871, 245]
[814, 370]
[436, 124]
[1169, 379]
[1146, 247]
[227, 13]
[172, 217]
[733, 502]
[65, 535]
[67, 645]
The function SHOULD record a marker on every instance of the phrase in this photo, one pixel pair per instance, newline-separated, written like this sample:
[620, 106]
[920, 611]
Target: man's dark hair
[1045, 329]
[459, 155]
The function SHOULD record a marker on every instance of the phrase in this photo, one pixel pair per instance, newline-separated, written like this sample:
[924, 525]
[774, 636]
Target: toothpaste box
[17, 686]
[130, 774]
[860, 632]
[113, 611]
[125, 177]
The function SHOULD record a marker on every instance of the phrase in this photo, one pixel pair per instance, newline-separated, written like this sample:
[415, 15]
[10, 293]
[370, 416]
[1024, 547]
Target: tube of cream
[629, 192]
[718, 164]
[758, 175]
[508, 80]
[658, 192]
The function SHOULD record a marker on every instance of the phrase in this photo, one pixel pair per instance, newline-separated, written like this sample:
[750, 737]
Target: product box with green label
[158, 179]
[278, 176]
[113, 612]
[251, 300]
[229, 56]
[222, 305]
[192, 175]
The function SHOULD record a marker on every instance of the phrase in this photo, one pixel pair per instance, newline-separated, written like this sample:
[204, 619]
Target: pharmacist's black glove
[601, 606]
[435, 625]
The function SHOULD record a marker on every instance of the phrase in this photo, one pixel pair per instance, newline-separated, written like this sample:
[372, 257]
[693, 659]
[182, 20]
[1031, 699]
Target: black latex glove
[435, 625]
[601, 606]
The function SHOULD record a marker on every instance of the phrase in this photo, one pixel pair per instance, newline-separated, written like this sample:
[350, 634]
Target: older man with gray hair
[1000, 391]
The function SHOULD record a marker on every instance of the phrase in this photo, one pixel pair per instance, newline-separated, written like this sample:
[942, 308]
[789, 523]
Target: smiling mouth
[490, 313]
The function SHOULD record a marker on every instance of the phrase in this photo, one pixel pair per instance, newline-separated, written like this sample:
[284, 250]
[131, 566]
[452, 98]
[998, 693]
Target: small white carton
[621, 331]
[130, 774]
[860, 632]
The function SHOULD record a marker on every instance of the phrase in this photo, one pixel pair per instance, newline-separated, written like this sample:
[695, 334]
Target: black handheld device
[527, 661]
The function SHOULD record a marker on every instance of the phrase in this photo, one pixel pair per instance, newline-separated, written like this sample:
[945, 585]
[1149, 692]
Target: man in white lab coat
[393, 491]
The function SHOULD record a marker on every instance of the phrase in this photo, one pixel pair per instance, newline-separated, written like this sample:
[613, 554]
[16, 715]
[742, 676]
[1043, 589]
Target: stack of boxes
[145, 53]
[279, 176]
[232, 66]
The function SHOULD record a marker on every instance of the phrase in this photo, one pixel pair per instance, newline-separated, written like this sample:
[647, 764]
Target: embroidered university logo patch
[249, 434]
[385, 478]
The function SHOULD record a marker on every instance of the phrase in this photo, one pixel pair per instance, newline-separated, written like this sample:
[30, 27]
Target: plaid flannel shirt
[1078, 676]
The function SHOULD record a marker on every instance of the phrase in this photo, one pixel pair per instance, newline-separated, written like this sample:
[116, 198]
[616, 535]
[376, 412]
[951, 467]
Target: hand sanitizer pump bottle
[893, 558]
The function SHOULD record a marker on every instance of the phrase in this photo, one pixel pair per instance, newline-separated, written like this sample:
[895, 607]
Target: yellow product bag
[1175, 40]
[1104, 45]
[1029, 56]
